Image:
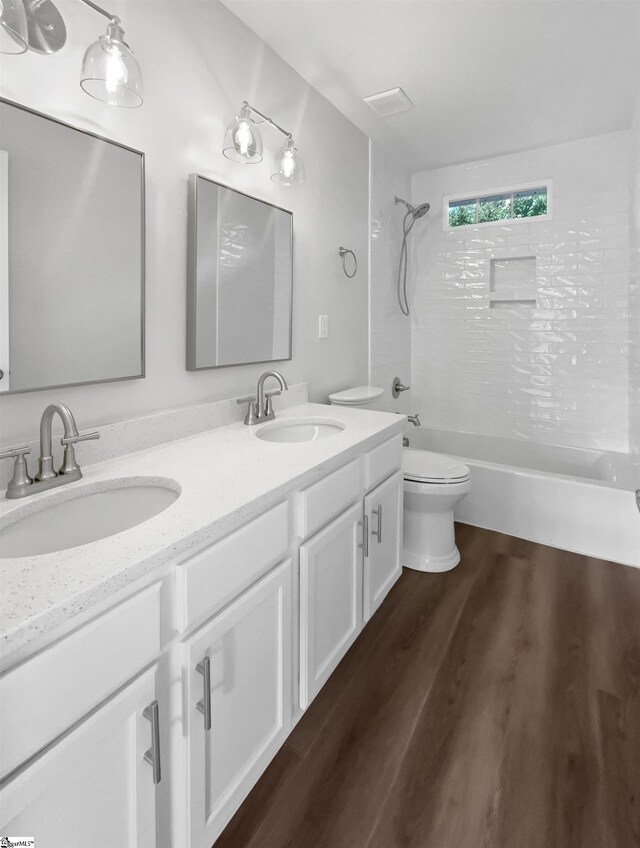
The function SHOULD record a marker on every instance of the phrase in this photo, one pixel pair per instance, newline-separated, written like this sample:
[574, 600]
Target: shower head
[421, 210]
[416, 211]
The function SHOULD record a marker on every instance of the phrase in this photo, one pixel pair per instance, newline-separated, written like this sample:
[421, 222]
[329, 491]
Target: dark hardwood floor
[496, 706]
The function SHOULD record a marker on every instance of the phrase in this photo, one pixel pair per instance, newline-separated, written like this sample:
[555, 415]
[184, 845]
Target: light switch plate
[323, 326]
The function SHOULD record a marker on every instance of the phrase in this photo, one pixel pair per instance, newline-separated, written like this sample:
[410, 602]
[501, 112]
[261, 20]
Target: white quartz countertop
[227, 476]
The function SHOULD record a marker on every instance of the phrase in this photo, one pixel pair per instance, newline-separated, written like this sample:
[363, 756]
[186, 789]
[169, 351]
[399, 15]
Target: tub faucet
[21, 483]
[260, 405]
[414, 419]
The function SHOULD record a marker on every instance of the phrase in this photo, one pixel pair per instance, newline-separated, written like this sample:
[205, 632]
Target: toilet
[433, 485]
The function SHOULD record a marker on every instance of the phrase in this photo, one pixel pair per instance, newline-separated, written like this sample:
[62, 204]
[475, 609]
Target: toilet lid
[361, 394]
[427, 467]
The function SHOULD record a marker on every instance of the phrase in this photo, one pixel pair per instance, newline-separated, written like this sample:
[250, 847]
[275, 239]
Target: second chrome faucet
[260, 405]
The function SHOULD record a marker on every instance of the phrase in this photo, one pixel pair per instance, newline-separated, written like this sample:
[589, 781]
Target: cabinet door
[330, 599]
[382, 566]
[93, 788]
[238, 702]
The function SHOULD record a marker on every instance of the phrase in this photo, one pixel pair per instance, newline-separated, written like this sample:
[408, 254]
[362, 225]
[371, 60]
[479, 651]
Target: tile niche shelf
[512, 282]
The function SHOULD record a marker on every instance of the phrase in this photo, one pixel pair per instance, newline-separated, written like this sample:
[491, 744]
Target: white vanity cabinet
[147, 725]
[383, 524]
[93, 788]
[237, 673]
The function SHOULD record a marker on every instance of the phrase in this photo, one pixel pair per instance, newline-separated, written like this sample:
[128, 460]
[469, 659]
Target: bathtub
[578, 500]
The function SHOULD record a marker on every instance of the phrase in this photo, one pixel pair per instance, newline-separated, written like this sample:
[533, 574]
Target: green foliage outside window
[459, 215]
[530, 205]
[517, 204]
[494, 209]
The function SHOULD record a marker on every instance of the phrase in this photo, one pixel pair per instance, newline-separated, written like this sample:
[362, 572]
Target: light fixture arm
[113, 18]
[251, 108]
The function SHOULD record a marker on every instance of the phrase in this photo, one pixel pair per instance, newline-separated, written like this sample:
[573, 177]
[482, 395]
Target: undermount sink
[86, 514]
[300, 430]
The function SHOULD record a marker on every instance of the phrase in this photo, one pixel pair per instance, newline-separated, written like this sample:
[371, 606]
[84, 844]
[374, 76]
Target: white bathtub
[579, 500]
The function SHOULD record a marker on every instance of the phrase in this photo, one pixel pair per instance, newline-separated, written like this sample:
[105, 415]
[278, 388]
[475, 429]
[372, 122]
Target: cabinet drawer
[50, 692]
[382, 461]
[318, 504]
[217, 575]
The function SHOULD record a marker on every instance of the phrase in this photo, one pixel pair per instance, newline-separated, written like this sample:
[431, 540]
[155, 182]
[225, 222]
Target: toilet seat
[426, 467]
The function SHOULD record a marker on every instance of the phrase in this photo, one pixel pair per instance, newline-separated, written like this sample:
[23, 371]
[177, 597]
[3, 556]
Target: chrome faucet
[21, 483]
[260, 405]
[414, 419]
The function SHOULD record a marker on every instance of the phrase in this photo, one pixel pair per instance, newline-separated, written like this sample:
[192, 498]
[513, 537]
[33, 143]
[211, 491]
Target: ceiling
[487, 77]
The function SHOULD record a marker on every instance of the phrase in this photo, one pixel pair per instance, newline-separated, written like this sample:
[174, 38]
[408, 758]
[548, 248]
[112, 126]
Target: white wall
[199, 62]
[390, 333]
[634, 328]
[558, 373]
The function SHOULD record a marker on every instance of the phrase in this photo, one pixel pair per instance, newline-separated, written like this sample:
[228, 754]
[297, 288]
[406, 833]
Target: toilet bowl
[433, 485]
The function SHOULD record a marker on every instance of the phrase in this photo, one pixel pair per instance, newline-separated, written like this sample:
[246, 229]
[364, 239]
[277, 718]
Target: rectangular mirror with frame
[71, 255]
[240, 278]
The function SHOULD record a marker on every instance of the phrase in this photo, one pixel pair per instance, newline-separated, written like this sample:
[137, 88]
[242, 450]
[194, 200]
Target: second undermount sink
[83, 515]
[300, 430]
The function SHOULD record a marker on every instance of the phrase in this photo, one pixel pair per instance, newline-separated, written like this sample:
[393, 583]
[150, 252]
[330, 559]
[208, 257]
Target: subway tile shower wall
[556, 370]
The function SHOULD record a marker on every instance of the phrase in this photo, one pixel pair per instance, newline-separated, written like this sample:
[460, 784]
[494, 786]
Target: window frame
[504, 222]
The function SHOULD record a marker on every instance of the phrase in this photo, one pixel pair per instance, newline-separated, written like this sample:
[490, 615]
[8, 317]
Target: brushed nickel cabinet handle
[365, 535]
[204, 706]
[152, 756]
[378, 533]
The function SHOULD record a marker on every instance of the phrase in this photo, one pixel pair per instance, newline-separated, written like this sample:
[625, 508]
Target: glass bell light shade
[13, 27]
[110, 72]
[242, 141]
[290, 170]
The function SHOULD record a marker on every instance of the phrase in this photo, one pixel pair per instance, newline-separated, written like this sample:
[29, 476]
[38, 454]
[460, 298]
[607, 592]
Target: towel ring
[343, 251]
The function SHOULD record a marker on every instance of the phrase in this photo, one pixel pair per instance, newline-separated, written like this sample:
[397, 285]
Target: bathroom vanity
[148, 678]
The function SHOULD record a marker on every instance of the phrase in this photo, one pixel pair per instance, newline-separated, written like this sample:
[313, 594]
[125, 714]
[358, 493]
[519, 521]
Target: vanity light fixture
[13, 27]
[243, 143]
[290, 170]
[109, 71]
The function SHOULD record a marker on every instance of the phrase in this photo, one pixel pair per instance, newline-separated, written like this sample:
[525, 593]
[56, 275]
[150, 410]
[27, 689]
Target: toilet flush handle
[397, 386]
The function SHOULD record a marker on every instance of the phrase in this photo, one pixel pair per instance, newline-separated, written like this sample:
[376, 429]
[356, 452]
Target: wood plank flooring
[496, 706]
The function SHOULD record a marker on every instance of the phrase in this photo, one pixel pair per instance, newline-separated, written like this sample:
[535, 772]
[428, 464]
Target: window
[530, 201]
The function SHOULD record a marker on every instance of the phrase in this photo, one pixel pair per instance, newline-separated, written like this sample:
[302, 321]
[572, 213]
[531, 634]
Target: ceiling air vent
[389, 102]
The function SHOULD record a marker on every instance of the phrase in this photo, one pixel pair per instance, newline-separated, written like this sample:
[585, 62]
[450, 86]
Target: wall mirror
[240, 278]
[71, 255]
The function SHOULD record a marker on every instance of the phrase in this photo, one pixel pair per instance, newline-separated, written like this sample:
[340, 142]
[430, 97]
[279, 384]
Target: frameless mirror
[240, 278]
[71, 255]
